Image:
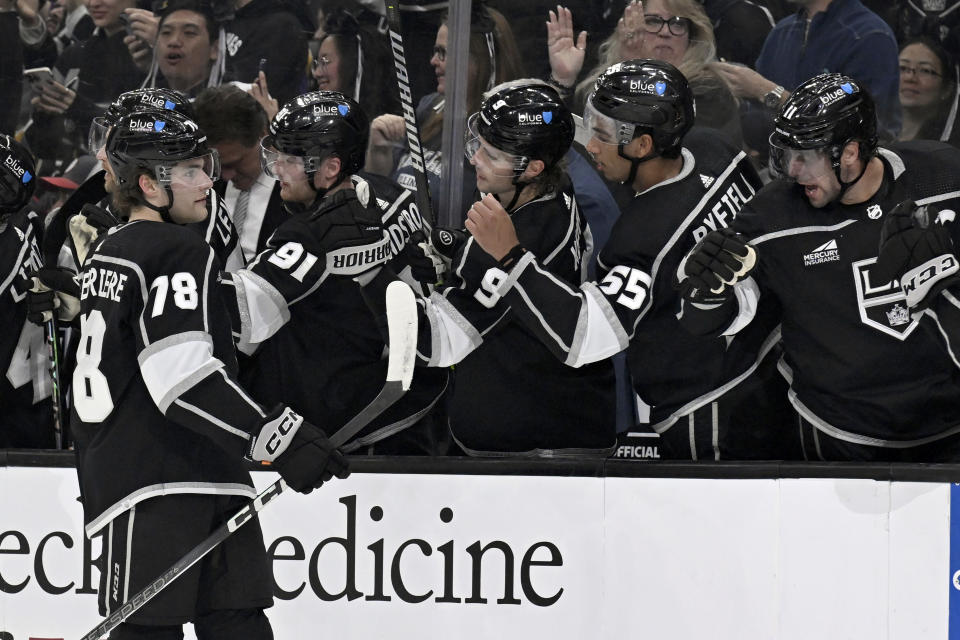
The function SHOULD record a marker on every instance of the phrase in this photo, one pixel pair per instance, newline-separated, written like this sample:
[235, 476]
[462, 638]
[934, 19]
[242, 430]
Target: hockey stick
[402, 330]
[410, 116]
[53, 335]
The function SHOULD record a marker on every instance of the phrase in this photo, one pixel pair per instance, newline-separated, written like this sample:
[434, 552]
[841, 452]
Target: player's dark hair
[128, 195]
[228, 114]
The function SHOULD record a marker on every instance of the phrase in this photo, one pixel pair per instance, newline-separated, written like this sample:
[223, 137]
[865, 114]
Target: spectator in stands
[675, 31]
[69, 23]
[937, 19]
[65, 23]
[20, 25]
[740, 27]
[928, 92]
[235, 123]
[103, 67]
[267, 31]
[489, 31]
[187, 56]
[526, 20]
[356, 60]
[839, 36]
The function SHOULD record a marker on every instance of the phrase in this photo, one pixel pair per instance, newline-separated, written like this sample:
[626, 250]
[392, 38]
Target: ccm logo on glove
[917, 281]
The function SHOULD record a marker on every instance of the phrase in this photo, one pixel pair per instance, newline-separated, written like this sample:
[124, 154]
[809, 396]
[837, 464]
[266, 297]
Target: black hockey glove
[722, 258]
[54, 288]
[299, 451]
[448, 241]
[430, 261]
[351, 234]
[426, 265]
[918, 251]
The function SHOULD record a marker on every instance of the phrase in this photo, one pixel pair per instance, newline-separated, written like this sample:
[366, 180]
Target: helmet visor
[192, 173]
[481, 153]
[603, 128]
[800, 165]
[97, 136]
[281, 166]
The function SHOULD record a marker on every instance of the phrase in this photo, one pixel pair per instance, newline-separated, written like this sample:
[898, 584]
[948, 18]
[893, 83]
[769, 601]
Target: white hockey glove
[86, 227]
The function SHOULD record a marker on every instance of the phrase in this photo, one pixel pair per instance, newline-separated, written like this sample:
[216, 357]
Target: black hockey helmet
[826, 110]
[315, 126]
[526, 119]
[17, 175]
[133, 102]
[645, 96]
[156, 142]
[825, 113]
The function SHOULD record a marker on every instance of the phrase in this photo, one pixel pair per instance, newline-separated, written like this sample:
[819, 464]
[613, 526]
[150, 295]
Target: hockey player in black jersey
[161, 425]
[217, 229]
[316, 345]
[25, 384]
[639, 117]
[866, 382]
[510, 395]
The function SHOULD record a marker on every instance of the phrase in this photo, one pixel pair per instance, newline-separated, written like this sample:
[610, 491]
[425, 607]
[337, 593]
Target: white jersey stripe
[175, 364]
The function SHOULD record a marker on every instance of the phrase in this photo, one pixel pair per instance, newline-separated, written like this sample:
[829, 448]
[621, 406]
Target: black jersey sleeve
[300, 256]
[452, 323]
[218, 232]
[580, 323]
[176, 336]
[944, 315]
[24, 360]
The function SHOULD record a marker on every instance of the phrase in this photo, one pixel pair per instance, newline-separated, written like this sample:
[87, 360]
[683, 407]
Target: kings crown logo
[898, 315]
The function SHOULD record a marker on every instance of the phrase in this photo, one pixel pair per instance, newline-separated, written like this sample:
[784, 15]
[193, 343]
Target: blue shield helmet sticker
[660, 87]
[169, 105]
[847, 87]
[26, 177]
[343, 109]
[159, 125]
[547, 116]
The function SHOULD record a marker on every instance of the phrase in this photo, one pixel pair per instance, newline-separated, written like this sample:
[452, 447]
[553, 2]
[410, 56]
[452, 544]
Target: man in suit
[235, 123]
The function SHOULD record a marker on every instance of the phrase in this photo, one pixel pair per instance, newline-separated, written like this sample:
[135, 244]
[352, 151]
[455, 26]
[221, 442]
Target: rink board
[485, 556]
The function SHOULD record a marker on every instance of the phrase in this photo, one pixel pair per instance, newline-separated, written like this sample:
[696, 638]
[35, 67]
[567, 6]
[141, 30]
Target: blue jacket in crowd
[847, 38]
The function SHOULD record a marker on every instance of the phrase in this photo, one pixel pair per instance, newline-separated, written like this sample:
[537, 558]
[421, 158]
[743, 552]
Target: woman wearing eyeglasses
[675, 31]
[928, 92]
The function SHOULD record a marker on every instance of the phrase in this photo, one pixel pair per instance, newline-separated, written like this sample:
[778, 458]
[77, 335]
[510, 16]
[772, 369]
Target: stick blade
[402, 330]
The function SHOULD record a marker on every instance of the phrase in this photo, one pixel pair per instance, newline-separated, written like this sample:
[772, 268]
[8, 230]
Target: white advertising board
[445, 556]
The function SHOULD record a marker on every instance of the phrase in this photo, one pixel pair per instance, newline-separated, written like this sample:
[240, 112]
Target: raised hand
[631, 31]
[566, 55]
